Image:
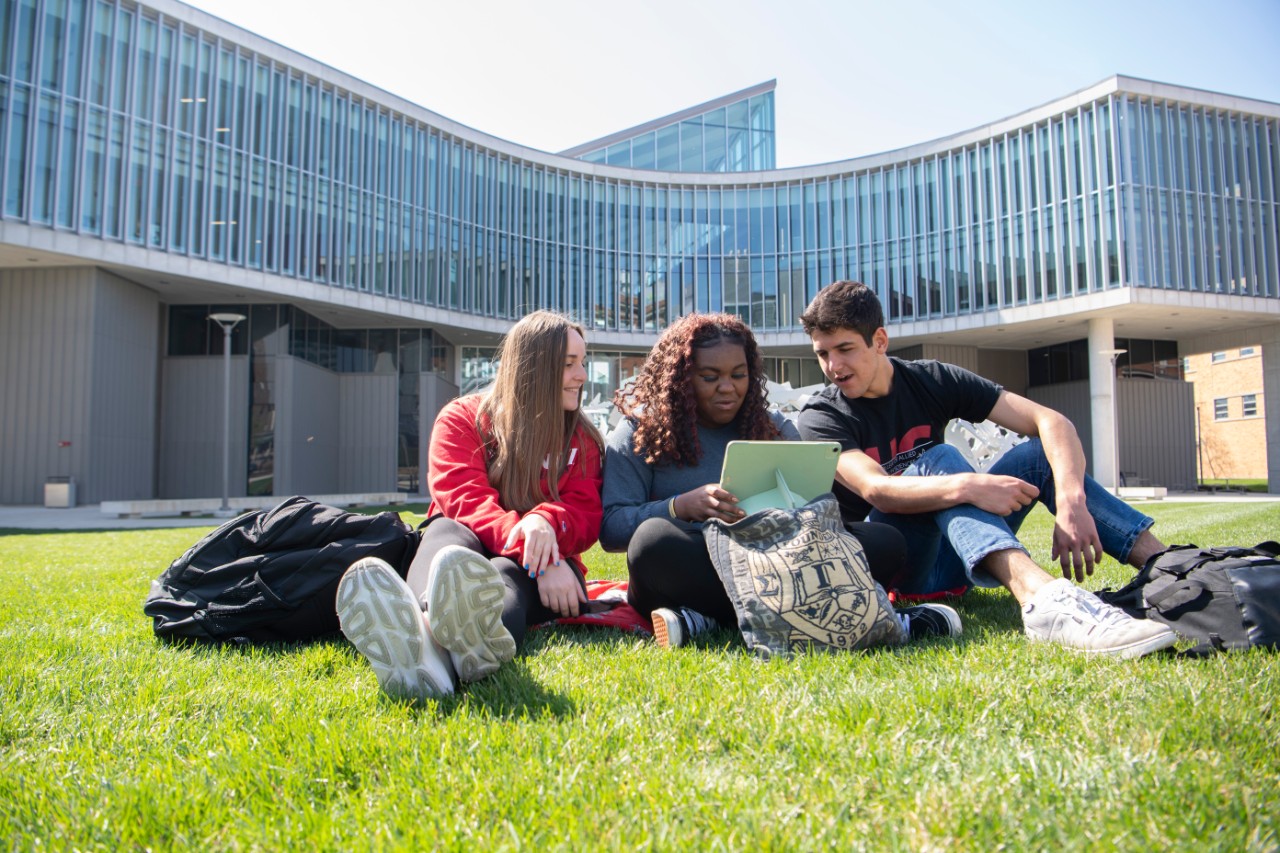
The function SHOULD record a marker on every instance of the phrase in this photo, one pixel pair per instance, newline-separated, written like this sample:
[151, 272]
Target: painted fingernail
[541, 572]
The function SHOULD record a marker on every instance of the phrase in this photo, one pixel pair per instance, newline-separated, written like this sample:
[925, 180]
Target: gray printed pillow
[798, 579]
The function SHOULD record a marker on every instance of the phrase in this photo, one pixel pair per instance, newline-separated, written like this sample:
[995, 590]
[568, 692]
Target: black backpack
[1225, 598]
[272, 575]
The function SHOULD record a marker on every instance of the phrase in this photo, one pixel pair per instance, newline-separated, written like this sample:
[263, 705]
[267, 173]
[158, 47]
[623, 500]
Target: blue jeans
[945, 547]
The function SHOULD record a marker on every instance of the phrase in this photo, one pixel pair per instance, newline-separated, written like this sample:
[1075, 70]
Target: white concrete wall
[368, 432]
[1156, 426]
[191, 418]
[78, 357]
[433, 393]
[307, 428]
[125, 370]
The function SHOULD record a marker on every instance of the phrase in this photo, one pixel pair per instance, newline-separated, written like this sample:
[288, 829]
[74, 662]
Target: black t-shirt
[897, 428]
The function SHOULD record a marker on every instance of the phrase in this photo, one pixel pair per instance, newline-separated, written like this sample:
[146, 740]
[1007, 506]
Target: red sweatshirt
[458, 480]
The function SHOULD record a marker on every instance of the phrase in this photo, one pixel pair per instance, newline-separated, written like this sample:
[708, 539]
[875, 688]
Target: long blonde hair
[523, 419]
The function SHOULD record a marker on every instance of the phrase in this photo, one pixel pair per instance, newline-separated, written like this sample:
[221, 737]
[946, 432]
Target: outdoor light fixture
[227, 322]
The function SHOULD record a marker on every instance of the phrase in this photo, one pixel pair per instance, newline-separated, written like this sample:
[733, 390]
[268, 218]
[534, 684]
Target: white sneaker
[925, 621]
[383, 620]
[1062, 613]
[674, 628]
[464, 612]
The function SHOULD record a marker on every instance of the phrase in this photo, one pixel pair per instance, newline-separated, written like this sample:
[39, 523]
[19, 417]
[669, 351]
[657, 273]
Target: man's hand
[559, 590]
[1076, 545]
[999, 494]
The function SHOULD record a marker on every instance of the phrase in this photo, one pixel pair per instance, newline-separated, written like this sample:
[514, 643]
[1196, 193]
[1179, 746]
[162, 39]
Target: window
[1246, 351]
[1218, 356]
[1250, 405]
[1220, 409]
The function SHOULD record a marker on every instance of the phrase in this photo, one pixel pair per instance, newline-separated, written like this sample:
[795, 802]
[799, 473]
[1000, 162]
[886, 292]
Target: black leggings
[521, 605]
[668, 566]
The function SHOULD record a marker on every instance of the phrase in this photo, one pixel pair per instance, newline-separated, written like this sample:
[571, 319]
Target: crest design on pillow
[798, 580]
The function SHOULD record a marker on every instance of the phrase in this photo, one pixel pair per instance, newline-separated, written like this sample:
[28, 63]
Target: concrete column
[1102, 390]
[1271, 404]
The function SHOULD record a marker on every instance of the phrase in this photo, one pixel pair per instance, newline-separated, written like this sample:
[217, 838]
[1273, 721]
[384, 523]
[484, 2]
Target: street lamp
[1114, 354]
[227, 322]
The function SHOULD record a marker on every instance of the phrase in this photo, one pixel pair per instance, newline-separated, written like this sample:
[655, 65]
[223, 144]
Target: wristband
[671, 508]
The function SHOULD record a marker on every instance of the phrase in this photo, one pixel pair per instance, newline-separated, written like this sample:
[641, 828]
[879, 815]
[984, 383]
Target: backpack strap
[1176, 596]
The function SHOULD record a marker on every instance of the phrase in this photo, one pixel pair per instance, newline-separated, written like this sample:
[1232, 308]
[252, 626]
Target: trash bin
[60, 492]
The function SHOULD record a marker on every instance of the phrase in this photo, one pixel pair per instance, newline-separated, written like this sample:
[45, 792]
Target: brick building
[1230, 415]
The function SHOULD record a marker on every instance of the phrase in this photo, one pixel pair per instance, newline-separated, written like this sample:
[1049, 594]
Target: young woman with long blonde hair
[515, 479]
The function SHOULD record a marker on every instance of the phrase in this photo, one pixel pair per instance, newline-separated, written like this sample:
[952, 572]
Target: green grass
[110, 740]
[1245, 485]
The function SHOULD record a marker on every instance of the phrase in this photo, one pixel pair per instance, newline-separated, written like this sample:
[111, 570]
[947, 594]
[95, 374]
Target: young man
[960, 526]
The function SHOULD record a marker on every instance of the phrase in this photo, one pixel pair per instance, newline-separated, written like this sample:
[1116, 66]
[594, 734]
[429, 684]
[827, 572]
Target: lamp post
[227, 322]
[1114, 354]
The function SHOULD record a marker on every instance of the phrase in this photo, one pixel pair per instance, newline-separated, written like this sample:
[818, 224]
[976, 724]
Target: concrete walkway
[91, 517]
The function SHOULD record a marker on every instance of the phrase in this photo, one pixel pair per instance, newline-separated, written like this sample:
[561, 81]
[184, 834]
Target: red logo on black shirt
[904, 451]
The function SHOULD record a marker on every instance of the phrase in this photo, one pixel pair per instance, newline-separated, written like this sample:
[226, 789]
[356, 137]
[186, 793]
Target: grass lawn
[110, 740]
[1240, 485]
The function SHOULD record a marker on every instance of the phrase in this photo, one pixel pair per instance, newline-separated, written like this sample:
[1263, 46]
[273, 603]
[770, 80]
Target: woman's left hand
[560, 590]
[540, 546]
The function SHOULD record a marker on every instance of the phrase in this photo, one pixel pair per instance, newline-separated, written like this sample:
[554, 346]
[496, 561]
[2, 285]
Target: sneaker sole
[464, 607]
[663, 633]
[381, 618]
[953, 620]
[1135, 649]
[1142, 647]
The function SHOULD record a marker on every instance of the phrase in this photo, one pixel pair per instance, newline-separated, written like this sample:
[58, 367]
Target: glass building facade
[159, 132]
[127, 124]
[731, 134]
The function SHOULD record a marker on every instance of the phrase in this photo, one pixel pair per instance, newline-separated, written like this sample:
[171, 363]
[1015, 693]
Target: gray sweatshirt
[635, 490]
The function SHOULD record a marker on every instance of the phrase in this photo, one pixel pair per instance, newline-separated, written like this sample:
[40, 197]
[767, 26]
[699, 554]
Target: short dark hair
[844, 305]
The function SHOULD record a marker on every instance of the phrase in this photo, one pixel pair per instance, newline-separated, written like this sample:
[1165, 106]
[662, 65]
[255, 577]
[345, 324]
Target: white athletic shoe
[464, 610]
[1062, 613]
[384, 621]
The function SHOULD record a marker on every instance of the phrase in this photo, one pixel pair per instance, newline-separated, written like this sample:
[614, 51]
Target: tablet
[778, 474]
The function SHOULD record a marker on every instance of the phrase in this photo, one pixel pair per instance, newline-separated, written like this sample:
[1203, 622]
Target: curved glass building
[158, 165]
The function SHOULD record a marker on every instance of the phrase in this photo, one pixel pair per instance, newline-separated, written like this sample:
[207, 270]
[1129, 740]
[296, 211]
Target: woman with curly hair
[701, 387]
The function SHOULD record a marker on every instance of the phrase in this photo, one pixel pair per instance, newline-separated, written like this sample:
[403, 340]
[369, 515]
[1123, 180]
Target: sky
[853, 77]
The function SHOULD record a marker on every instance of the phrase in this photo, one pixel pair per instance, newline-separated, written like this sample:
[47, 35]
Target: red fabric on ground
[621, 615]
[896, 597]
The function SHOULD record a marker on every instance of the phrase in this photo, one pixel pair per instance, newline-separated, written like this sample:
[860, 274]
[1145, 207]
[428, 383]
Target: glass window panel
[53, 31]
[714, 147]
[668, 148]
[642, 151]
[691, 145]
[620, 154]
[24, 39]
[189, 330]
[44, 162]
[15, 169]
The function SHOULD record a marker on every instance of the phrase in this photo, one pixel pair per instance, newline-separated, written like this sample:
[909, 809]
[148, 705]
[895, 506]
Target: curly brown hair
[661, 399]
